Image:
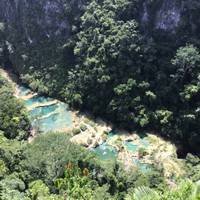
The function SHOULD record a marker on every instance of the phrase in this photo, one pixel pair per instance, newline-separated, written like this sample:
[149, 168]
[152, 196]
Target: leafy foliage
[13, 116]
[76, 183]
[111, 67]
[46, 160]
[185, 190]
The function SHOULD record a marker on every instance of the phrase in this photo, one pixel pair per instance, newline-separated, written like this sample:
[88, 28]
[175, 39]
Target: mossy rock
[104, 137]
[91, 123]
[86, 120]
[142, 152]
[89, 141]
[76, 131]
[83, 127]
[105, 132]
[93, 134]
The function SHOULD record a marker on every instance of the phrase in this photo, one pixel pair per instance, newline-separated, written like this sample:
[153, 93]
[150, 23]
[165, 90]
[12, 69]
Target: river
[48, 114]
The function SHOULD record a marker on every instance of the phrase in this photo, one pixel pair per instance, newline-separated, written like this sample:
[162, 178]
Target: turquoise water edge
[47, 117]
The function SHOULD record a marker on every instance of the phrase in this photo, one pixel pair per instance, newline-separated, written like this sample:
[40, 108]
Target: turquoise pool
[105, 152]
[130, 146]
[34, 100]
[23, 91]
[57, 116]
[142, 166]
[53, 122]
[47, 118]
[42, 111]
[144, 142]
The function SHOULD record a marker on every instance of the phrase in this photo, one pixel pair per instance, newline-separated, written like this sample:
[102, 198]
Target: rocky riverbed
[133, 150]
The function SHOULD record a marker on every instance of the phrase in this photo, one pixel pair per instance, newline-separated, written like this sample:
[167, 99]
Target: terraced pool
[52, 117]
[106, 152]
[49, 115]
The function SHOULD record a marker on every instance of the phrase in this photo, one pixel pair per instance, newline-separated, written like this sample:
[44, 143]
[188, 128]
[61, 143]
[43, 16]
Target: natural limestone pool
[109, 150]
[55, 117]
[49, 114]
[46, 114]
[105, 152]
[131, 146]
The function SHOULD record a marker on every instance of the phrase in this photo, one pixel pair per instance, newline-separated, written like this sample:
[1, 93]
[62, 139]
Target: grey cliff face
[35, 24]
[37, 29]
[163, 15]
[43, 19]
[36, 19]
[171, 16]
[168, 17]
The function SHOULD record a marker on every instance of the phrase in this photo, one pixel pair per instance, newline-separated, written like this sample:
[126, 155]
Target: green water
[54, 120]
[111, 134]
[105, 152]
[141, 166]
[130, 146]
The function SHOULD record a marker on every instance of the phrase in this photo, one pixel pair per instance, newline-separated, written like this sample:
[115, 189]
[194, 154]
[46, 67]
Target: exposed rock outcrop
[36, 30]
[170, 16]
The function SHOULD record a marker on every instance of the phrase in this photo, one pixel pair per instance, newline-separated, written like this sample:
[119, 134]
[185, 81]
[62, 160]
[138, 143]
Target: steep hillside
[142, 56]
[37, 30]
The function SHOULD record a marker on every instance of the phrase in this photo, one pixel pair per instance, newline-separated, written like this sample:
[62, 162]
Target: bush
[142, 152]
[13, 115]
[47, 155]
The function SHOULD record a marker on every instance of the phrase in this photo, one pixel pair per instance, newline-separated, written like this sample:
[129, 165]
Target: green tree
[186, 81]
[39, 191]
[47, 155]
[105, 48]
[76, 183]
[185, 190]
[13, 115]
